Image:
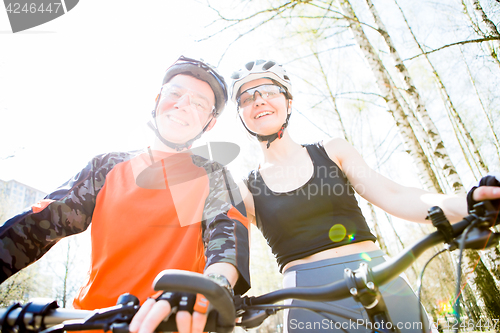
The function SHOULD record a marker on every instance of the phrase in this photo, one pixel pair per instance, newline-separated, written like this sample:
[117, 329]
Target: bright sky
[85, 83]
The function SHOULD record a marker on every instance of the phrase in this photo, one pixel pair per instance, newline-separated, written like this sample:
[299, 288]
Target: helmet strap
[271, 137]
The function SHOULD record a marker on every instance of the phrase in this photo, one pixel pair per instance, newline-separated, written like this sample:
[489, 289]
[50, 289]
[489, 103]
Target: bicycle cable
[419, 285]
[311, 307]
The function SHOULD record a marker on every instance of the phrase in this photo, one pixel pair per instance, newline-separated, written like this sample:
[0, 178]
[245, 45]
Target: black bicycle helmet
[202, 71]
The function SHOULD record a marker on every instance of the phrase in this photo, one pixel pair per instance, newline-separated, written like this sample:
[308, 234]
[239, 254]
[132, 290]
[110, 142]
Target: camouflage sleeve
[226, 226]
[68, 210]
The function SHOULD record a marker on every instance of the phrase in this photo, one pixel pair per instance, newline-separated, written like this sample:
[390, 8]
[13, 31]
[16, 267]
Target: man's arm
[226, 235]
[68, 210]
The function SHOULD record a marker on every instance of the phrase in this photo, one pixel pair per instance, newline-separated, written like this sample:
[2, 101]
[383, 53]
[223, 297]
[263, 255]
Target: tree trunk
[486, 115]
[376, 227]
[425, 142]
[471, 307]
[437, 145]
[485, 284]
[491, 30]
[453, 114]
[413, 147]
[482, 278]
[65, 282]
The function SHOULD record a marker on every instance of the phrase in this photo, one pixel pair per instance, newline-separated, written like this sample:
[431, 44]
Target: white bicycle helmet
[259, 69]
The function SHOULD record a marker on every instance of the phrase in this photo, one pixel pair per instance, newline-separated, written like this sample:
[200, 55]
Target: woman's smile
[263, 114]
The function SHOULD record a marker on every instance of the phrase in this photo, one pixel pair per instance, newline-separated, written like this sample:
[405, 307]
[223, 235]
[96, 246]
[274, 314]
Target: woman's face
[262, 116]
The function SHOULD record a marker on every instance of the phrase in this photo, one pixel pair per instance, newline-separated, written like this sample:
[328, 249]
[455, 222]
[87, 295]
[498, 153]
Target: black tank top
[321, 214]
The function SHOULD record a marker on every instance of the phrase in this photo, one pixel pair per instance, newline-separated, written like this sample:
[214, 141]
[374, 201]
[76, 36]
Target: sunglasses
[266, 91]
[198, 102]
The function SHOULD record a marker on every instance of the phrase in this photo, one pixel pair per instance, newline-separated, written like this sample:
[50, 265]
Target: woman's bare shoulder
[337, 149]
[247, 200]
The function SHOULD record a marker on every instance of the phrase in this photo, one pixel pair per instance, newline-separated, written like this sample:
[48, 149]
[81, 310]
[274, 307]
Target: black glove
[187, 302]
[183, 301]
[490, 180]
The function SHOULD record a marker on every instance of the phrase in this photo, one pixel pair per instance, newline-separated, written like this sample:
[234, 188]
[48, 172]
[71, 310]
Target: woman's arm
[408, 203]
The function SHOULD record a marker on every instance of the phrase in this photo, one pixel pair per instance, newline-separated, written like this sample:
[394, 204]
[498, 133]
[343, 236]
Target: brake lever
[250, 318]
[109, 317]
[254, 317]
[480, 238]
[485, 212]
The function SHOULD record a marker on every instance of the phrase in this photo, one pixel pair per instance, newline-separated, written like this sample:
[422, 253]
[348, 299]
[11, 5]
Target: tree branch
[276, 11]
[480, 40]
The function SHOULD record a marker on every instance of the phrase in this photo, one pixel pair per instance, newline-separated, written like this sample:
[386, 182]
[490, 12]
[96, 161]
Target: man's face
[185, 107]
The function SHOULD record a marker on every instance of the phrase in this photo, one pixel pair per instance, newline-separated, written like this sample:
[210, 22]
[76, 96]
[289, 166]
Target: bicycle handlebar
[116, 318]
[73, 320]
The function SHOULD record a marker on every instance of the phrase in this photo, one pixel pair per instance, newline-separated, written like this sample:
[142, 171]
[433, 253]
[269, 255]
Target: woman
[302, 199]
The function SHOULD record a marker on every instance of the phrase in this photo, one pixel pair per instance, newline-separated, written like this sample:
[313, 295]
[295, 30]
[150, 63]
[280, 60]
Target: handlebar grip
[53, 317]
[190, 282]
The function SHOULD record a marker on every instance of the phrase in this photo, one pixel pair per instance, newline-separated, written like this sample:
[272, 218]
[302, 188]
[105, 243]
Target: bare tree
[24, 285]
[432, 133]
[485, 28]
[65, 264]
[383, 81]
[481, 277]
[469, 148]
[331, 96]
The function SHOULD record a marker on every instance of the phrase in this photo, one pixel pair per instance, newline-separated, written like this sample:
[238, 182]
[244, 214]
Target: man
[165, 208]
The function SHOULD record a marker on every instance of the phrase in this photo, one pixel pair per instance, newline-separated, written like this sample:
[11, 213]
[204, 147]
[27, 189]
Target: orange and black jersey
[149, 212]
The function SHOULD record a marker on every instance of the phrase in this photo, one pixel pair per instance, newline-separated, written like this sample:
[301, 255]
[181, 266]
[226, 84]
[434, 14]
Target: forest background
[413, 85]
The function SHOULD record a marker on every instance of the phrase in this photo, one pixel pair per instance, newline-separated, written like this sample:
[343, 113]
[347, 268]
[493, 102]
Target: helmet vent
[286, 77]
[249, 65]
[268, 65]
[235, 75]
